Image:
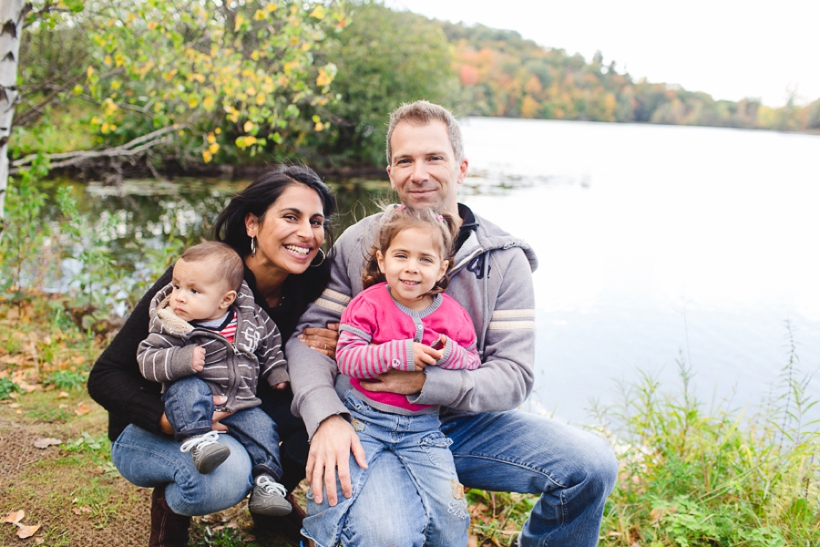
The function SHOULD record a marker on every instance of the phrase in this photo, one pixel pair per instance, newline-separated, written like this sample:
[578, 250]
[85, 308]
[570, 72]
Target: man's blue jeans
[189, 407]
[427, 471]
[573, 471]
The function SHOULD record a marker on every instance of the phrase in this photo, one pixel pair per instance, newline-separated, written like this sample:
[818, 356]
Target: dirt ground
[75, 495]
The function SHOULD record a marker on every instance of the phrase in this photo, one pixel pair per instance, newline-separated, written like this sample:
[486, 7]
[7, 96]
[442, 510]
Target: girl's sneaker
[268, 497]
[206, 451]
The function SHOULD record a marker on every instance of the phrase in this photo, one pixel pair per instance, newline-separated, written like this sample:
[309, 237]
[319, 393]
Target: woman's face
[291, 232]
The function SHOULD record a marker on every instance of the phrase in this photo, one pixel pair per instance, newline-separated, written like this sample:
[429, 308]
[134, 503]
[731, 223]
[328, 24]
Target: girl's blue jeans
[427, 475]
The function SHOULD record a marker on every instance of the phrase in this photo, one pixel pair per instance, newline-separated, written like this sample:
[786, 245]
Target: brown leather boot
[167, 528]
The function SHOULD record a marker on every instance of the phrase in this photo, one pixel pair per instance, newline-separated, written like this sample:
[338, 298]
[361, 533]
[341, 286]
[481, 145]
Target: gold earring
[324, 256]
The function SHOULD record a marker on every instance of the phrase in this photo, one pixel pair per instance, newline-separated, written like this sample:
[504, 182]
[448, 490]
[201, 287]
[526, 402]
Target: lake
[657, 245]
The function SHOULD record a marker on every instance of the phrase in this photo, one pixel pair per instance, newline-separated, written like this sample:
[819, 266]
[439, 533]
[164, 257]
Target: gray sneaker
[206, 451]
[268, 498]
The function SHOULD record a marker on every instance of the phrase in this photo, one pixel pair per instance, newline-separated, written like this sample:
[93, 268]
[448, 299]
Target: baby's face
[199, 294]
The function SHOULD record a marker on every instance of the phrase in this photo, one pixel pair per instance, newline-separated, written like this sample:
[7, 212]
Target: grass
[690, 476]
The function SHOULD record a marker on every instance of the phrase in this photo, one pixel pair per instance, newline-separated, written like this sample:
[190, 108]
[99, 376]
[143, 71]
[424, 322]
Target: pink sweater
[377, 334]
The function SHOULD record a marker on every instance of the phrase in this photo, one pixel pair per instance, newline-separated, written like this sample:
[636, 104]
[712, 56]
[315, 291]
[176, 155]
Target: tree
[12, 15]
[384, 58]
[186, 79]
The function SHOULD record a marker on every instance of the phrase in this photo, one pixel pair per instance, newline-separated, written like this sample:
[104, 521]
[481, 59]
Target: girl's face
[289, 236]
[411, 265]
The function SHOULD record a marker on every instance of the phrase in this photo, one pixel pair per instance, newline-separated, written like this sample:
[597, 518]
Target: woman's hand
[322, 340]
[219, 400]
[330, 450]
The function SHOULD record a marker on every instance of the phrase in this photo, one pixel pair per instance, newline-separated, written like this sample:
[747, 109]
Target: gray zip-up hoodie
[232, 370]
[491, 279]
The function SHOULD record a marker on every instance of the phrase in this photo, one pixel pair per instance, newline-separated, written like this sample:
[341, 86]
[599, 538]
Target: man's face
[423, 169]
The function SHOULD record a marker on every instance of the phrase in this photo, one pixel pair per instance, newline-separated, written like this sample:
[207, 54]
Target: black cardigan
[115, 381]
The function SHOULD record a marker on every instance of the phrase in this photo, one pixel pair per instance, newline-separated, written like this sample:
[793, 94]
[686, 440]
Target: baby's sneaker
[268, 498]
[206, 451]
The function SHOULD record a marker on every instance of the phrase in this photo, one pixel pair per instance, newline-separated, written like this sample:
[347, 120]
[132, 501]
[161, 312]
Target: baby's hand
[424, 355]
[199, 359]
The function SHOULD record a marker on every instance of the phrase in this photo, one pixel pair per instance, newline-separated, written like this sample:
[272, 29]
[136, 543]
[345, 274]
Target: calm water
[656, 245]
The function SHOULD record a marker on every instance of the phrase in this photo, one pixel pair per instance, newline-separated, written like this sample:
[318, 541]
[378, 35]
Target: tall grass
[693, 476]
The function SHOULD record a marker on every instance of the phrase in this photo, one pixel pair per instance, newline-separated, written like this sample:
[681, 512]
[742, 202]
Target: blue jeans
[573, 471]
[189, 407]
[149, 460]
[427, 468]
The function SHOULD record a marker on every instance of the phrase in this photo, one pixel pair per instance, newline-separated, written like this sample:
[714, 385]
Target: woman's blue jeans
[427, 464]
[148, 460]
[573, 471]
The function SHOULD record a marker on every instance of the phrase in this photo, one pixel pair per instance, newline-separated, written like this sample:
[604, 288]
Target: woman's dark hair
[260, 195]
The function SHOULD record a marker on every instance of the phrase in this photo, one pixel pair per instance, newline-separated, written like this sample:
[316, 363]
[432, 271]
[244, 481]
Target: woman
[278, 225]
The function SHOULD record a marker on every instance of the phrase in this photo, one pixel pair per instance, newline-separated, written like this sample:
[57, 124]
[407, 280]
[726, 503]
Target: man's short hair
[422, 113]
[230, 266]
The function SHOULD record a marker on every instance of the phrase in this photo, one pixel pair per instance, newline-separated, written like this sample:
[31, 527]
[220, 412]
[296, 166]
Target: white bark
[12, 15]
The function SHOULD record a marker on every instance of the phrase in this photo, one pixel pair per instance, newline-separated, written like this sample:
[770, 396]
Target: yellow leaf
[270, 7]
[218, 130]
[260, 99]
[208, 102]
[214, 148]
[319, 126]
[107, 60]
[240, 18]
[90, 71]
[324, 78]
[14, 517]
[95, 120]
[318, 12]
[255, 55]
[248, 127]
[211, 138]
[27, 531]
[192, 102]
[104, 128]
[259, 15]
[199, 78]
[152, 25]
[206, 156]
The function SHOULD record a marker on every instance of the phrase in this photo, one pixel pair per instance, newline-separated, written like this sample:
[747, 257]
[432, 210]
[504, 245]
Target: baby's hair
[396, 219]
[229, 264]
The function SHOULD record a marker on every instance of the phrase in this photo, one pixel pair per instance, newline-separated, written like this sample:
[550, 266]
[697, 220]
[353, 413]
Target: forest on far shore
[183, 87]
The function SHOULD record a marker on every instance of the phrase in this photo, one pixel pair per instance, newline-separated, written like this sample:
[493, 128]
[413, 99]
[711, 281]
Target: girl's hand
[424, 355]
[322, 340]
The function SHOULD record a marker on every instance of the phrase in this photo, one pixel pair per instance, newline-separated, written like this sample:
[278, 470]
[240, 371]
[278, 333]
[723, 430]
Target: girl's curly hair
[397, 218]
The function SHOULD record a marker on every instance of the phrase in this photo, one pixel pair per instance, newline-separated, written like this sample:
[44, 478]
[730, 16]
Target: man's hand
[322, 340]
[219, 400]
[199, 359]
[330, 450]
[397, 381]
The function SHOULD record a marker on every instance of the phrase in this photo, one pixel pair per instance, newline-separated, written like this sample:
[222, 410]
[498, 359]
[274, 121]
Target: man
[494, 447]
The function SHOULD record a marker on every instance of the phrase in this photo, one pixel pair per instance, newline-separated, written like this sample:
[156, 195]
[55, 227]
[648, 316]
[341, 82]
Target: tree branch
[131, 148]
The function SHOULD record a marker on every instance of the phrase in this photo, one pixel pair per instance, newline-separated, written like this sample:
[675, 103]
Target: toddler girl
[402, 320]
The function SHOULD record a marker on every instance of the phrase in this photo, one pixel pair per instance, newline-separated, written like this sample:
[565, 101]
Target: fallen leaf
[45, 442]
[28, 388]
[27, 531]
[14, 405]
[14, 516]
[62, 395]
[82, 408]
[14, 394]
[63, 405]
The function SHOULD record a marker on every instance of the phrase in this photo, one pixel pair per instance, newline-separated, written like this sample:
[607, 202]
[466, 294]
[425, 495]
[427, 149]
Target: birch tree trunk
[12, 15]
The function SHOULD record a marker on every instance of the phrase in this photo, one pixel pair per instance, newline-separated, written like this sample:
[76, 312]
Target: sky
[731, 49]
